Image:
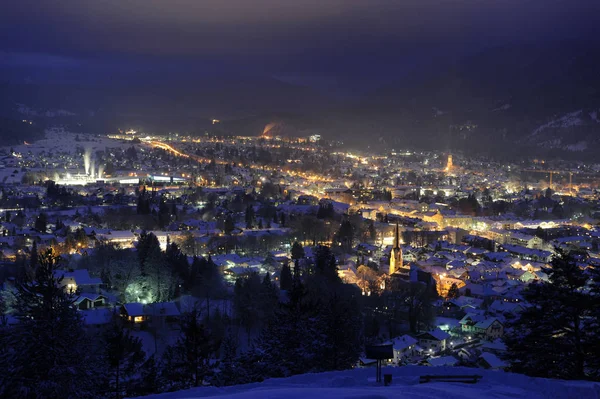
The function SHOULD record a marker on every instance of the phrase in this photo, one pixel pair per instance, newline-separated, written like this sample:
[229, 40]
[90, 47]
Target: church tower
[449, 165]
[396, 262]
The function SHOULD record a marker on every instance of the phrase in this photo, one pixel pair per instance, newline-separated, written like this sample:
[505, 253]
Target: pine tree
[123, 354]
[345, 235]
[282, 218]
[229, 225]
[297, 251]
[285, 279]
[34, 256]
[229, 369]
[553, 337]
[326, 264]
[150, 381]
[249, 217]
[41, 223]
[187, 363]
[268, 298]
[49, 354]
[342, 327]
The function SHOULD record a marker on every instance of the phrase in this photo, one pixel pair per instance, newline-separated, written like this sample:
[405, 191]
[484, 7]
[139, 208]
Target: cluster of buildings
[480, 230]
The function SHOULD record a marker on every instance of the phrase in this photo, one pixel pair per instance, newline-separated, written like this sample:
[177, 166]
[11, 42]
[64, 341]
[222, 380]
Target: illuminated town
[475, 232]
[299, 199]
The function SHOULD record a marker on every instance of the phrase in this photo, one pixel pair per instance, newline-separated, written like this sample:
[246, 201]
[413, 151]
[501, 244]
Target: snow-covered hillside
[575, 131]
[359, 383]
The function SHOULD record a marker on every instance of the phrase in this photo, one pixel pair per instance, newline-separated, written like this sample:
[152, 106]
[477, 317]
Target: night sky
[325, 43]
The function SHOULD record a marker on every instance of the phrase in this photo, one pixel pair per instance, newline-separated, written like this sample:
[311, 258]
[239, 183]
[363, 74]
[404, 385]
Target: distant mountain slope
[156, 107]
[405, 385]
[509, 101]
[498, 97]
[13, 131]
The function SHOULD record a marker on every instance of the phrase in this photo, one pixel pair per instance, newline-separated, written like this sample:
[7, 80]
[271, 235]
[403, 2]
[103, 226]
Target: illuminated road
[310, 177]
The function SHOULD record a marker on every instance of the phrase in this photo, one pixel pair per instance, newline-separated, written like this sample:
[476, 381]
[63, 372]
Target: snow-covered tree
[48, 354]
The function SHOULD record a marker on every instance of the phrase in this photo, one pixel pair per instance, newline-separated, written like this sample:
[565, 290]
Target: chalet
[89, 301]
[133, 312]
[404, 347]
[490, 361]
[78, 280]
[488, 327]
[161, 313]
[157, 314]
[503, 307]
[433, 341]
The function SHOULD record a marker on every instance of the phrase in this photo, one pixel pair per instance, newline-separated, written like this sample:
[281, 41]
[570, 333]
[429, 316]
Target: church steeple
[396, 261]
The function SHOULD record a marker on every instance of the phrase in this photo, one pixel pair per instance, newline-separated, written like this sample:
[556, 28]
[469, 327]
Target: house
[78, 280]
[433, 341]
[404, 347]
[488, 327]
[124, 238]
[89, 301]
[158, 314]
[490, 361]
[499, 307]
[442, 361]
[133, 312]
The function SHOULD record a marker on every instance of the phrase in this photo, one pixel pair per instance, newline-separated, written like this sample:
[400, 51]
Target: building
[434, 341]
[489, 328]
[396, 261]
[404, 347]
[78, 280]
[449, 165]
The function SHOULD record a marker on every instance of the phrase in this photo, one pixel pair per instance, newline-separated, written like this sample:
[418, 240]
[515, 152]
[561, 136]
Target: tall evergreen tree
[34, 256]
[249, 217]
[285, 279]
[228, 225]
[553, 337]
[49, 355]
[326, 264]
[188, 362]
[297, 251]
[123, 354]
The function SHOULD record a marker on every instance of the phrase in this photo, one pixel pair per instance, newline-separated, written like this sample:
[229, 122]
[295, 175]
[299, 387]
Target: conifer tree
[187, 362]
[297, 251]
[49, 355]
[554, 337]
[285, 279]
[123, 354]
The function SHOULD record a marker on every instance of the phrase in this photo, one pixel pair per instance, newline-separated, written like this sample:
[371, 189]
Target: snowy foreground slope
[359, 384]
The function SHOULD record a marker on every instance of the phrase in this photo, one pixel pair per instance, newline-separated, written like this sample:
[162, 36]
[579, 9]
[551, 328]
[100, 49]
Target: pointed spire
[397, 239]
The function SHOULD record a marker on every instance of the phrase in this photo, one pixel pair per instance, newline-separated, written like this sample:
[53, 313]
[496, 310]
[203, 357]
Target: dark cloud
[285, 37]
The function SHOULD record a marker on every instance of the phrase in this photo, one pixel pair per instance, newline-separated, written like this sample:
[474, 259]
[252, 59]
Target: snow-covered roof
[134, 309]
[403, 342]
[81, 277]
[161, 309]
[492, 360]
[442, 361]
